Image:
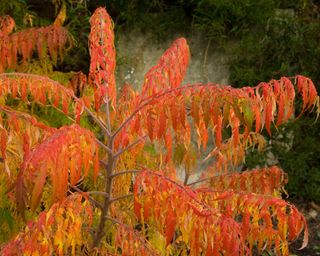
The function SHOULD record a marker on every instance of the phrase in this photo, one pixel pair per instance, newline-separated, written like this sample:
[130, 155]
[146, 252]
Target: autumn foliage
[115, 188]
[47, 41]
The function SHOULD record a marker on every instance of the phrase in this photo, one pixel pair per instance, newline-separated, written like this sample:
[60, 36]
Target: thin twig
[105, 165]
[124, 172]
[198, 181]
[208, 178]
[121, 151]
[76, 189]
[101, 193]
[181, 187]
[103, 146]
[59, 110]
[95, 202]
[97, 120]
[186, 177]
[112, 200]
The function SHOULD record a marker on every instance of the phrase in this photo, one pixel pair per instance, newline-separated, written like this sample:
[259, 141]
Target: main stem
[107, 200]
[109, 168]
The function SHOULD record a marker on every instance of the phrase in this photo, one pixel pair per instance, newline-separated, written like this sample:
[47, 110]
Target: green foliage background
[265, 39]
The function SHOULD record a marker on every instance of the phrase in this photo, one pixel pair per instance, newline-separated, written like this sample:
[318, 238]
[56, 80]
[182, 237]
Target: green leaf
[6, 217]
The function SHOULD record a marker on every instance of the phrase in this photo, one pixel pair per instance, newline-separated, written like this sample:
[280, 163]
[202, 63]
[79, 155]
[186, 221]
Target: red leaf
[39, 182]
[23, 89]
[281, 109]
[204, 135]
[168, 140]
[218, 131]
[162, 123]
[151, 123]
[235, 131]
[195, 112]
[170, 224]
[78, 110]
[174, 115]
[4, 139]
[268, 118]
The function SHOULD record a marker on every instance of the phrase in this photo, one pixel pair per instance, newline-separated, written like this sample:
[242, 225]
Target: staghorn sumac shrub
[81, 193]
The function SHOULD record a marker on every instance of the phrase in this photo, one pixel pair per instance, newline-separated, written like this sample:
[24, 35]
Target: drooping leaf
[42, 90]
[19, 132]
[66, 143]
[50, 41]
[266, 181]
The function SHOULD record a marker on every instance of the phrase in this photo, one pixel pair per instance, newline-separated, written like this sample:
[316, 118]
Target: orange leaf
[281, 109]
[218, 131]
[39, 182]
[4, 139]
[170, 224]
[162, 123]
[268, 118]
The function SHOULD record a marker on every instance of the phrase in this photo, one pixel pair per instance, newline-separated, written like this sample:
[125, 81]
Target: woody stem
[108, 188]
[109, 169]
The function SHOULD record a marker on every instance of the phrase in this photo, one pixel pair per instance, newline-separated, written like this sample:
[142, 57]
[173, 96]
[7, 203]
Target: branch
[121, 151]
[58, 109]
[95, 202]
[186, 177]
[149, 100]
[205, 179]
[101, 193]
[183, 188]
[76, 189]
[109, 167]
[96, 119]
[112, 200]
[101, 144]
[68, 92]
[105, 165]
[115, 221]
[124, 172]
[198, 181]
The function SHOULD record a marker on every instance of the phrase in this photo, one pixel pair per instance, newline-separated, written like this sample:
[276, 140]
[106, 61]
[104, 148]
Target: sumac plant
[118, 188]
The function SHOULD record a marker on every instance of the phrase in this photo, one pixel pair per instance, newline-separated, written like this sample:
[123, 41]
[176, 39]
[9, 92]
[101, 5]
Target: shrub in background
[287, 44]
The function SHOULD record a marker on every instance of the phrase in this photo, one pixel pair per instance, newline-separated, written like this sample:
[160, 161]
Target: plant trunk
[107, 201]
